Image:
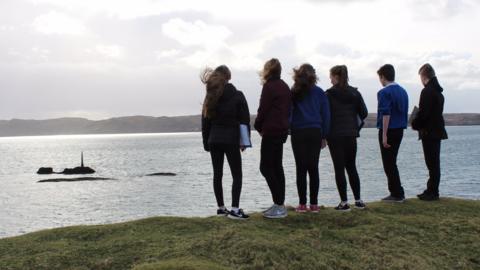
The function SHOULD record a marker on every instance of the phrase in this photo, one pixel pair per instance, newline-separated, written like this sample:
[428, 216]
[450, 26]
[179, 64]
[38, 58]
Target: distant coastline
[149, 124]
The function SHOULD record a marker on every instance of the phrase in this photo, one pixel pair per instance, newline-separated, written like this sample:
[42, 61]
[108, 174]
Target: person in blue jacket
[310, 123]
[392, 119]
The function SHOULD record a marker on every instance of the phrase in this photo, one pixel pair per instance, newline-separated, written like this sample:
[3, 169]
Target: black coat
[429, 121]
[348, 111]
[224, 127]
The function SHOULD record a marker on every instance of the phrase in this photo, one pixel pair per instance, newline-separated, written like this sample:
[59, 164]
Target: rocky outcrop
[45, 170]
[162, 174]
[54, 180]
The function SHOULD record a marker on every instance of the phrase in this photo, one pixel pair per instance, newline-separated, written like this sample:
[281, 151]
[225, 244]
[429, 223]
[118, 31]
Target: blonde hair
[271, 69]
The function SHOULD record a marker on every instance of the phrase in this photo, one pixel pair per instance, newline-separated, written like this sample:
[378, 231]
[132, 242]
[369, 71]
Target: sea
[27, 206]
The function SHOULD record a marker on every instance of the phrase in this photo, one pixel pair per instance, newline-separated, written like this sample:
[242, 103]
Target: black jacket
[224, 128]
[429, 121]
[347, 110]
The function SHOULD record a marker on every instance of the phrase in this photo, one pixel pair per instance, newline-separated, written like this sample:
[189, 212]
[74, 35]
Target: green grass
[415, 235]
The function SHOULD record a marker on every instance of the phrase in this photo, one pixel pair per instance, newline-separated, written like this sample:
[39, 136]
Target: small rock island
[68, 171]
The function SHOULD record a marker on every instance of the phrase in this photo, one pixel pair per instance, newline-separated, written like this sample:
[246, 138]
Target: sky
[107, 58]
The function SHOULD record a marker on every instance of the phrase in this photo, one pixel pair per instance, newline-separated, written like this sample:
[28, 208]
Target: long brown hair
[304, 79]
[271, 69]
[214, 81]
[341, 72]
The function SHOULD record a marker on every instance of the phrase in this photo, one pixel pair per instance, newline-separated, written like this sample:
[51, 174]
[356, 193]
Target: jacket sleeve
[206, 126]
[243, 112]
[362, 108]
[325, 114]
[424, 110]
[384, 103]
[263, 108]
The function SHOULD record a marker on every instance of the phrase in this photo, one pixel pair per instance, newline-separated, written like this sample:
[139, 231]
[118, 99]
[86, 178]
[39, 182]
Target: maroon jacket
[274, 109]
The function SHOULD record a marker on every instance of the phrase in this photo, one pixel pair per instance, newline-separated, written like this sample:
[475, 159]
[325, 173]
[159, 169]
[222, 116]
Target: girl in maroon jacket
[272, 123]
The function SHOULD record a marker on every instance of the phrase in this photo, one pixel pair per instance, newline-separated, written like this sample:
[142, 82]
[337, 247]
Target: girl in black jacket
[224, 110]
[348, 111]
[431, 128]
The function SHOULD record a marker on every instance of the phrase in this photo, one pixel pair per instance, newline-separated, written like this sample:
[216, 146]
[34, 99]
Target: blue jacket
[313, 111]
[393, 101]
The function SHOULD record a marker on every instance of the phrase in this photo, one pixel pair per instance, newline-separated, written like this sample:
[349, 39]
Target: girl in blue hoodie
[310, 122]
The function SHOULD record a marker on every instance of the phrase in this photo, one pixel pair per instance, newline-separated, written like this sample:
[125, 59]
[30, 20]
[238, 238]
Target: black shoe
[222, 212]
[394, 199]
[360, 205]
[343, 207]
[237, 215]
[428, 197]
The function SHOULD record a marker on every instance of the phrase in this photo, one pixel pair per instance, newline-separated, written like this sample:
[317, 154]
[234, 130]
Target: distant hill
[148, 124]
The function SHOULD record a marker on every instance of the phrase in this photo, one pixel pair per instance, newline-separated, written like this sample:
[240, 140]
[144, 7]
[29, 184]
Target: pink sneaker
[301, 208]
[314, 208]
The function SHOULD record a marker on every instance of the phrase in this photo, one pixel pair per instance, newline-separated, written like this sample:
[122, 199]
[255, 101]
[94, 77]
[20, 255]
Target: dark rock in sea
[45, 170]
[78, 170]
[74, 179]
[162, 174]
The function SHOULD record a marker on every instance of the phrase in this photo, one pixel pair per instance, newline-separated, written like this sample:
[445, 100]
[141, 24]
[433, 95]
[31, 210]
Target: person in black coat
[348, 112]
[224, 110]
[430, 125]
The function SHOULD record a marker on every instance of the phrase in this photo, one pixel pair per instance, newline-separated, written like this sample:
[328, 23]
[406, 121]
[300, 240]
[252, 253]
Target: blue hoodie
[313, 111]
[393, 101]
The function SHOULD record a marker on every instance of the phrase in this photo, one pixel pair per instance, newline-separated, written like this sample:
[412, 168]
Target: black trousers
[431, 151]
[271, 166]
[344, 154]
[389, 160]
[218, 153]
[306, 145]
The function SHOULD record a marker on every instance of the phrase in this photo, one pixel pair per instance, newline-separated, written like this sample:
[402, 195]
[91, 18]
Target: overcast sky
[107, 58]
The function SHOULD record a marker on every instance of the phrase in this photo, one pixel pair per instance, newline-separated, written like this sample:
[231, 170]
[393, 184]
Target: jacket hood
[229, 91]
[348, 94]
[434, 84]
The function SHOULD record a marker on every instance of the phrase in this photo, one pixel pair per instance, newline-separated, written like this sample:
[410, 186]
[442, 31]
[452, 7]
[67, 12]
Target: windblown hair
[304, 79]
[427, 71]
[341, 72]
[215, 81]
[271, 69]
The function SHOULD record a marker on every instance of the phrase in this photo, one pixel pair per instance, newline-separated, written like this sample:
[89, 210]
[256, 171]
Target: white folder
[245, 136]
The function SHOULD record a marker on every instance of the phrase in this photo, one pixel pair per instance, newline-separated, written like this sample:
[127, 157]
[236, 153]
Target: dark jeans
[271, 167]
[218, 153]
[344, 153]
[389, 160]
[306, 145]
[431, 151]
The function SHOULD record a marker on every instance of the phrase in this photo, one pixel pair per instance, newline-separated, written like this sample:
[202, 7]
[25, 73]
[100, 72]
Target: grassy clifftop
[415, 235]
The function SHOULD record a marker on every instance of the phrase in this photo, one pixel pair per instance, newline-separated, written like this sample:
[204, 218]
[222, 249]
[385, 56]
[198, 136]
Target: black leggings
[218, 152]
[344, 153]
[271, 167]
[306, 145]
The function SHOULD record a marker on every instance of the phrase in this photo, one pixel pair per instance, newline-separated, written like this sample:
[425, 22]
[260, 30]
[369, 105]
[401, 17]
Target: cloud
[196, 33]
[167, 53]
[110, 51]
[441, 9]
[58, 23]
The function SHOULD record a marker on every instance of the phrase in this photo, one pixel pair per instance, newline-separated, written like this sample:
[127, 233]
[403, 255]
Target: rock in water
[162, 174]
[45, 170]
[79, 170]
[74, 179]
